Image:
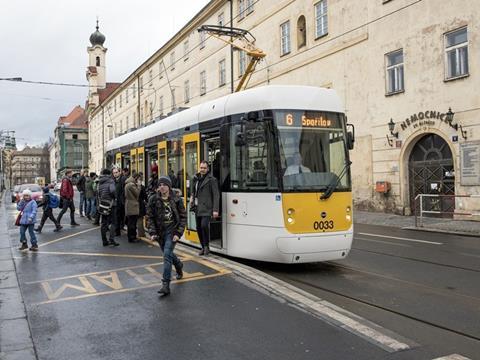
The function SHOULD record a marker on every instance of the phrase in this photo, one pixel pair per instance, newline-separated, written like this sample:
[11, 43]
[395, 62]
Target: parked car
[14, 192]
[37, 192]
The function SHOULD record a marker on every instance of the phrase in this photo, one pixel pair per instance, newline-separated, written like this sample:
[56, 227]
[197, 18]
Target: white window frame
[126, 96]
[172, 60]
[174, 102]
[186, 87]
[203, 82]
[461, 56]
[397, 71]
[249, 6]
[202, 37]
[241, 9]
[321, 19]
[285, 45]
[221, 19]
[242, 63]
[186, 47]
[141, 84]
[222, 73]
[160, 105]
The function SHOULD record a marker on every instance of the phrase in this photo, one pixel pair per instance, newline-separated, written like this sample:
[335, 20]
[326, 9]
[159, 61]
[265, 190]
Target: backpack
[53, 200]
[105, 207]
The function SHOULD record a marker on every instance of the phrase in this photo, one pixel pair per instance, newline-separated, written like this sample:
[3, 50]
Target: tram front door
[191, 143]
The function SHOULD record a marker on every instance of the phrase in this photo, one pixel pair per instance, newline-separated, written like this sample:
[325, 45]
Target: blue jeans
[23, 238]
[167, 245]
[83, 203]
[91, 207]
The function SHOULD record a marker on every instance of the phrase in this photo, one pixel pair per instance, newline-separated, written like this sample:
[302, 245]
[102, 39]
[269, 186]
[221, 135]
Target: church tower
[96, 70]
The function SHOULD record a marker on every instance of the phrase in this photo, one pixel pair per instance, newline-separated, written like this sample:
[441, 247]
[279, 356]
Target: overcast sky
[47, 41]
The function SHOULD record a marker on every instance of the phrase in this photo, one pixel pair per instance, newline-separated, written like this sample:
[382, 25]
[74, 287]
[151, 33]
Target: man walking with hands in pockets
[166, 223]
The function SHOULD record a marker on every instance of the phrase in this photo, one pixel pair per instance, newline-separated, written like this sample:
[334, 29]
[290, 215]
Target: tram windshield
[312, 150]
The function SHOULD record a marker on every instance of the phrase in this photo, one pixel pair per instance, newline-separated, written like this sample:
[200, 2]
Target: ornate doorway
[431, 171]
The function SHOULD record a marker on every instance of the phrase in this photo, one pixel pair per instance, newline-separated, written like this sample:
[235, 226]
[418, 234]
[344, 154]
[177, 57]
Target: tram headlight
[348, 216]
[290, 211]
[290, 220]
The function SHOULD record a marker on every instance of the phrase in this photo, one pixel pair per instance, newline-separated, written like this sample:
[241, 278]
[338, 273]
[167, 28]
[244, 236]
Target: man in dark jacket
[47, 211]
[167, 218]
[106, 196]
[205, 198]
[81, 188]
[66, 195]
[119, 215]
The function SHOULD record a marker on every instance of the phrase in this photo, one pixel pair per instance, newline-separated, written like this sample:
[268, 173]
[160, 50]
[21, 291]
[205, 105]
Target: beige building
[29, 164]
[403, 62]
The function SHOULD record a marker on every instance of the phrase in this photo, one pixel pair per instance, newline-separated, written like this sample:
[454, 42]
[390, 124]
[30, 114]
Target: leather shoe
[165, 290]
[113, 243]
[179, 271]
[23, 247]
[207, 251]
[202, 252]
[74, 224]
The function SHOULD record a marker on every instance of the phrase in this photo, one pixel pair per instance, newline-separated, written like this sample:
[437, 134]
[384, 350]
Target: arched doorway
[431, 171]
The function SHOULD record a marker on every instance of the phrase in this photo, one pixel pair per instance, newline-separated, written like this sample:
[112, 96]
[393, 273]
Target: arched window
[301, 32]
[98, 60]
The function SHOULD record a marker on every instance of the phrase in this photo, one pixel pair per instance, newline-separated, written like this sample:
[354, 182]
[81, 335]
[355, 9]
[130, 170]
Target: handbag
[105, 207]
[19, 216]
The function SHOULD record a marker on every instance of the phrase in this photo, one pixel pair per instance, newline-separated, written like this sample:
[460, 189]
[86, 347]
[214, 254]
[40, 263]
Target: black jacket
[106, 188]
[156, 211]
[81, 183]
[120, 189]
[207, 194]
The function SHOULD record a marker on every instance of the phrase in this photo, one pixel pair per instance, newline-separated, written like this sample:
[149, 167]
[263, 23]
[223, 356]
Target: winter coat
[66, 191]
[81, 183]
[106, 188]
[156, 211]
[132, 193]
[29, 215]
[143, 200]
[89, 193]
[120, 190]
[207, 194]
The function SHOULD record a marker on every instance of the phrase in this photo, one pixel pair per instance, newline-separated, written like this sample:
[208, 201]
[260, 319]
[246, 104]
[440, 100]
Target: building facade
[69, 149]
[29, 164]
[406, 71]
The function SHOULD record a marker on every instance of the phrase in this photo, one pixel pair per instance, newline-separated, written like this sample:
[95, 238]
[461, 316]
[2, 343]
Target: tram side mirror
[350, 136]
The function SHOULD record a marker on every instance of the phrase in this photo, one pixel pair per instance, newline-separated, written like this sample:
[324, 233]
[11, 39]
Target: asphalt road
[424, 286]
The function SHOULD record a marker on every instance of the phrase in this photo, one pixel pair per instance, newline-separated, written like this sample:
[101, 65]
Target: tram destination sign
[311, 119]
[470, 163]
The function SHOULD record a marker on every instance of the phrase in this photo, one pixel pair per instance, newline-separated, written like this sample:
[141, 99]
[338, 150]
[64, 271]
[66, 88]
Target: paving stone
[11, 304]
[15, 335]
[8, 279]
[25, 354]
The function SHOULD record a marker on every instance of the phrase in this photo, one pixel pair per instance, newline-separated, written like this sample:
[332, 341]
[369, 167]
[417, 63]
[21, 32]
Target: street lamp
[391, 127]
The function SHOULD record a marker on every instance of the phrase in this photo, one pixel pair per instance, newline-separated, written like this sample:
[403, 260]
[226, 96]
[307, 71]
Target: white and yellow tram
[280, 154]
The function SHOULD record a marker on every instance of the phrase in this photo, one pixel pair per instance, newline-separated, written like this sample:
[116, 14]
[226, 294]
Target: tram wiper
[334, 183]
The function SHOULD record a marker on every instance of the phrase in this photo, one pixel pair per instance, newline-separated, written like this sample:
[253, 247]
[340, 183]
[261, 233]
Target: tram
[281, 158]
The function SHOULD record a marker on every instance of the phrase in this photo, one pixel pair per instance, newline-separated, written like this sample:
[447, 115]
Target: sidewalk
[451, 226]
[15, 337]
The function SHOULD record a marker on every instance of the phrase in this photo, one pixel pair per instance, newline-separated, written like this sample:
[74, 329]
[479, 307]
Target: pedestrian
[81, 182]
[119, 214]
[166, 219]
[107, 207]
[28, 215]
[96, 217]
[152, 185]
[132, 206]
[142, 200]
[204, 201]
[90, 196]
[49, 201]
[66, 198]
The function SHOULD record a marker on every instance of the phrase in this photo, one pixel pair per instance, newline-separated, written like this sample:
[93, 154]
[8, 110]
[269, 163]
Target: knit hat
[26, 192]
[165, 180]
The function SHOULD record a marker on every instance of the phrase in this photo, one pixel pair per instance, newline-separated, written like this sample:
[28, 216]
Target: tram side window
[175, 163]
[252, 157]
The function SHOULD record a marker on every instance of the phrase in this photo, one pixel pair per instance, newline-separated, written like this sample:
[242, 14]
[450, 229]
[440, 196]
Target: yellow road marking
[126, 290]
[67, 237]
[100, 254]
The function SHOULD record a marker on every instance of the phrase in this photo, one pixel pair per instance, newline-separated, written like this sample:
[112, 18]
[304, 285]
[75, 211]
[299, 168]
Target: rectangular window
[222, 77]
[150, 76]
[394, 72]
[285, 38]
[203, 82]
[174, 104]
[456, 53]
[115, 105]
[160, 69]
[241, 9]
[202, 38]
[134, 92]
[120, 100]
[321, 19]
[242, 62]
[160, 105]
[186, 87]
[221, 19]
[250, 6]
[126, 96]
[127, 123]
[141, 84]
[185, 50]
[172, 60]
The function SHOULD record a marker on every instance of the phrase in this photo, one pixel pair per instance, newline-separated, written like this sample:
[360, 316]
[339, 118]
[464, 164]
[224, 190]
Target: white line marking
[452, 357]
[383, 242]
[404, 239]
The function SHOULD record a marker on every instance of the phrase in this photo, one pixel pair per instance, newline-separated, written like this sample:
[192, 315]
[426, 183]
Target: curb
[441, 231]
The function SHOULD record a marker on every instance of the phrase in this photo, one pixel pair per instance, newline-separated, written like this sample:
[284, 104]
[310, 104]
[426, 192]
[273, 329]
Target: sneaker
[24, 246]
[38, 230]
[34, 247]
[74, 224]
[58, 228]
[207, 251]
[165, 290]
[202, 252]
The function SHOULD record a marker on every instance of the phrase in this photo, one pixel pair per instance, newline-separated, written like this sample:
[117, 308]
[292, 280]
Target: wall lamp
[391, 127]
[449, 116]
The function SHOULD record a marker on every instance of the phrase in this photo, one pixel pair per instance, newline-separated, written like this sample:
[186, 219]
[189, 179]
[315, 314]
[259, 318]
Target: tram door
[137, 160]
[133, 160]
[118, 160]
[162, 158]
[191, 150]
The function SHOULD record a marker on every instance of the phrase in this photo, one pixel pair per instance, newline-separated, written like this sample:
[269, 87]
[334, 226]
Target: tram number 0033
[323, 225]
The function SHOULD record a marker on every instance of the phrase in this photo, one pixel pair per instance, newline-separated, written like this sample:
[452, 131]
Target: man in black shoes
[205, 199]
[66, 194]
[107, 207]
[166, 223]
[49, 200]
